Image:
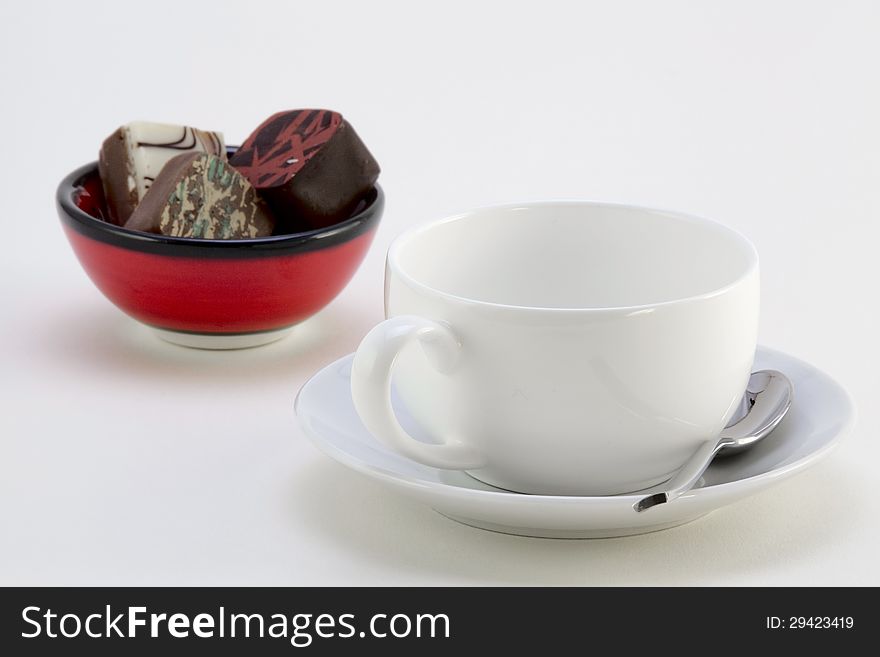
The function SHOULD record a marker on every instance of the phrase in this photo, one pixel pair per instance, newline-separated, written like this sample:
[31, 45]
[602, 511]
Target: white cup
[562, 348]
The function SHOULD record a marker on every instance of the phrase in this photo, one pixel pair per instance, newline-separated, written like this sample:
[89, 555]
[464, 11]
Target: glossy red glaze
[219, 296]
[212, 286]
[89, 197]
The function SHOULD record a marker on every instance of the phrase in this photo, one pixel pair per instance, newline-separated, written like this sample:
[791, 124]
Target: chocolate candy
[132, 157]
[200, 195]
[310, 166]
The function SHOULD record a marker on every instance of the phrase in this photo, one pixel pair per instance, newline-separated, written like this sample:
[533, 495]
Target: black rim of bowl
[312, 240]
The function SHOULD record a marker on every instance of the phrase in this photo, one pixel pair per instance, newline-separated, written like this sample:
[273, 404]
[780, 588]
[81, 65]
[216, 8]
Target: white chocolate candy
[151, 145]
[132, 157]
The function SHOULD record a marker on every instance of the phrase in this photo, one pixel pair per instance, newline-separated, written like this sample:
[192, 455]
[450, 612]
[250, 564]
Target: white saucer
[820, 415]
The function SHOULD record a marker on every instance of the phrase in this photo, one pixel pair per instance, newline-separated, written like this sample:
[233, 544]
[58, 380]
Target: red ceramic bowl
[214, 294]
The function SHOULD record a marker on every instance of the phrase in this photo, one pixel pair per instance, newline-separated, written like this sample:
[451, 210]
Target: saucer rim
[778, 474]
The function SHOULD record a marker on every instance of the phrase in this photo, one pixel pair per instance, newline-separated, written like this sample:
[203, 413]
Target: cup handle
[371, 388]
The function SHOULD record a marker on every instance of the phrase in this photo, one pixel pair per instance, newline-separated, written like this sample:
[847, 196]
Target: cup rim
[401, 241]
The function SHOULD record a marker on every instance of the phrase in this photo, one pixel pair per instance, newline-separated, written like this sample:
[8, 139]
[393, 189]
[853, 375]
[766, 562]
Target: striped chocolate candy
[200, 195]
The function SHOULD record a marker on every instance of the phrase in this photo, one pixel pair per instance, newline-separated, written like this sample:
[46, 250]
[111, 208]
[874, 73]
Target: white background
[129, 461]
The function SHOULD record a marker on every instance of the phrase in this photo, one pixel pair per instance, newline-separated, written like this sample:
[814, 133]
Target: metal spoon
[767, 400]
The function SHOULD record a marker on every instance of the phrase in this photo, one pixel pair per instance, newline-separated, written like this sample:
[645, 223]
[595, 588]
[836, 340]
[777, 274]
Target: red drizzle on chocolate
[278, 149]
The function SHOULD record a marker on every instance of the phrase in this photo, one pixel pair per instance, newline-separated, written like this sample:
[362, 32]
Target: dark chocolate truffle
[310, 166]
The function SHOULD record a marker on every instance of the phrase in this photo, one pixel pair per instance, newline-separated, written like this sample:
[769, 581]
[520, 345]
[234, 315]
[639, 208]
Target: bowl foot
[221, 341]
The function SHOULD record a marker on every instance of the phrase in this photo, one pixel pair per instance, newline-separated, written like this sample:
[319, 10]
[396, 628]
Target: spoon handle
[687, 477]
[768, 396]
